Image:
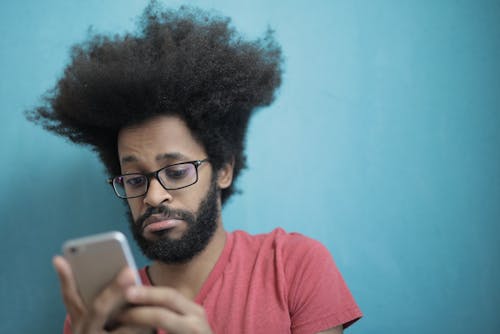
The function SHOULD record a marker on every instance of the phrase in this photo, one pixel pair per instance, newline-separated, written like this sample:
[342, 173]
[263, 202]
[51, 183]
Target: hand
[165, 308]
[109, 302]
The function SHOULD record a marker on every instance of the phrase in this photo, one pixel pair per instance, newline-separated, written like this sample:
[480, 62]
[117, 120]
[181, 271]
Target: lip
[159, 223]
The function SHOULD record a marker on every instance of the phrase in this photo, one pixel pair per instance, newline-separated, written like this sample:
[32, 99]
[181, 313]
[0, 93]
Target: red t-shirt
[273, 283]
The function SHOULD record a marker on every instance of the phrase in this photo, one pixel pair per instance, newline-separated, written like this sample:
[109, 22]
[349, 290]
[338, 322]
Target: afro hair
[187, 63]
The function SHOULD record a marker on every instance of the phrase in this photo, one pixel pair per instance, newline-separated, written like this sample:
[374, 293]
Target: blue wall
[383, 144]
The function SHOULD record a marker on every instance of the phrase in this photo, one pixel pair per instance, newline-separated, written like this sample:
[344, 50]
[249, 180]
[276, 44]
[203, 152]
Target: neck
[188, 278]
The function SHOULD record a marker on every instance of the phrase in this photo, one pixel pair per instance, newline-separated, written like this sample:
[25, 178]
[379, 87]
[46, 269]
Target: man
[167, 109]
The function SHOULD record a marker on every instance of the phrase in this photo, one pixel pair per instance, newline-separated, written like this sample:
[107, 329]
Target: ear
[225, 175]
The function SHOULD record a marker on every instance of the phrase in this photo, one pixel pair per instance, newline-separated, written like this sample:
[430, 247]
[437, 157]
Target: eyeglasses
[171, 177]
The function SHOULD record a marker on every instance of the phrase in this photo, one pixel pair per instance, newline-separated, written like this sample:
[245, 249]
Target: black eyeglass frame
[195, 163]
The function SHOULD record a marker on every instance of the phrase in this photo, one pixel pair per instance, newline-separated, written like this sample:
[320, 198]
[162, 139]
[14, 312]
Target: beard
[200, 229]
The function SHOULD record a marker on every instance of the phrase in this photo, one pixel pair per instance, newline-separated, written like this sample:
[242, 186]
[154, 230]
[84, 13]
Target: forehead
[159, 137]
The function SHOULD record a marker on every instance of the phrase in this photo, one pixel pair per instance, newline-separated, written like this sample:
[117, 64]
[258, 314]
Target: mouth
[159, 225]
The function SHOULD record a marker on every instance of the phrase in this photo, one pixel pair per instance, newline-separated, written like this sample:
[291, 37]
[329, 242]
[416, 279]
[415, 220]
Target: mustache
[165, 213]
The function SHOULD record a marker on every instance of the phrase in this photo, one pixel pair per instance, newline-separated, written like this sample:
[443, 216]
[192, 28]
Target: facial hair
[200, 230]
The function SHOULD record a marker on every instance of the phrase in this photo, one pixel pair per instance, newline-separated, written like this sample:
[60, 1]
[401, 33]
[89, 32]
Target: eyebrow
[163, 156]
[171, 156]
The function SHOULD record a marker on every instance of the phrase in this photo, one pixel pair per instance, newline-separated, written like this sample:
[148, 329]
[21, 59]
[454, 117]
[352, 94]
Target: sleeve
[318, 297]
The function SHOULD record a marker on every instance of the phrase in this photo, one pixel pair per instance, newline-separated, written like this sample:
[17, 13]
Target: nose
[156, 194]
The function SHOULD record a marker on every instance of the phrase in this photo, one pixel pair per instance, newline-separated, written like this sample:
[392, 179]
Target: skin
[169, 304]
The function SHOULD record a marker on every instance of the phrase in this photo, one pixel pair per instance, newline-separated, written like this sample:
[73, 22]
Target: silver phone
[96, 260]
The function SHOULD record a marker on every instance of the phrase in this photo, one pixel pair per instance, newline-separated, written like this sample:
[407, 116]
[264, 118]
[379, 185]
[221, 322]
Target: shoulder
[287, 247]
[277, 238]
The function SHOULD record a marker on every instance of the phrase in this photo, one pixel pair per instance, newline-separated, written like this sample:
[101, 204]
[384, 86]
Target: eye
[177, 172]
[134, 181]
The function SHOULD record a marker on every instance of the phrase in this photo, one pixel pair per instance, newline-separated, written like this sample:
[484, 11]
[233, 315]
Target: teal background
[383, 144]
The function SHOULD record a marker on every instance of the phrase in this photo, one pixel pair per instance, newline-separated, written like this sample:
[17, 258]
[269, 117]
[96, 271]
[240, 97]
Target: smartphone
[96, 260]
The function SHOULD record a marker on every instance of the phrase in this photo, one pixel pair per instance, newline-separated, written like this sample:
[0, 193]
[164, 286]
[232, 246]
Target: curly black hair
[186, 62]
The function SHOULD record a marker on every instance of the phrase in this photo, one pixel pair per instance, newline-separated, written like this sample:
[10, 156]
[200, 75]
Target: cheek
[135, 207]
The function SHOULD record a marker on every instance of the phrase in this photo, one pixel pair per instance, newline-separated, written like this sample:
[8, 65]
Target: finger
[69, 290]
[133, 330]
[111, 299]
[164, 297]
[172, 322]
